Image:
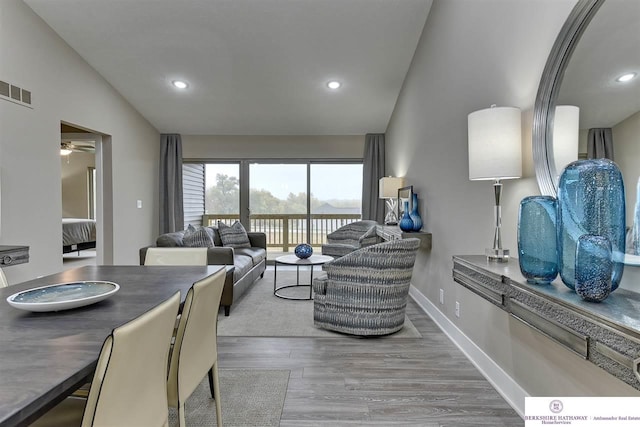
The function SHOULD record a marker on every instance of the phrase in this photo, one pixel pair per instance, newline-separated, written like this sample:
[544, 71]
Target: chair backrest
[176, 256]
[195, 348]
[385, 262]
[3, 280]
[129, 386]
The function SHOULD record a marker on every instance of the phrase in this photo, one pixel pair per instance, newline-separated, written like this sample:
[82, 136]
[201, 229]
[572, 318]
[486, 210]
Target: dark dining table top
[45, 356]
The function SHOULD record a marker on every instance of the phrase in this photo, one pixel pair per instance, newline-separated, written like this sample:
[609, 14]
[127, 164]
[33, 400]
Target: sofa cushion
[197, 237]
[234, 236]
[257, 255]
[170, 240]
[242, 264]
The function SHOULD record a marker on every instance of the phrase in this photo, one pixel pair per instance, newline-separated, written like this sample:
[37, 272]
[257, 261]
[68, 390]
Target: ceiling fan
[68, 147]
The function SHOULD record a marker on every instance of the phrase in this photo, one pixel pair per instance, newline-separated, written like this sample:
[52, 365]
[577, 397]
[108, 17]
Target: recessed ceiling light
[180, 84]
[626, 77]
[334, 84]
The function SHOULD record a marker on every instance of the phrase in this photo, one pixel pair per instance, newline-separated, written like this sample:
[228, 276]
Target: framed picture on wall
[404, 195]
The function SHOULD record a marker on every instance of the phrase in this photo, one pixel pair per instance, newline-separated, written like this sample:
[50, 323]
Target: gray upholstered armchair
[350, 237]
[365, 292]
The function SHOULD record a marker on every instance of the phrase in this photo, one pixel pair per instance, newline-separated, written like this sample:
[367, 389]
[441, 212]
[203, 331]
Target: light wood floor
[350, 381]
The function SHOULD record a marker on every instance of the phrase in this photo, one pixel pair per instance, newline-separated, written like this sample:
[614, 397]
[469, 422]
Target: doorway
[85, 165]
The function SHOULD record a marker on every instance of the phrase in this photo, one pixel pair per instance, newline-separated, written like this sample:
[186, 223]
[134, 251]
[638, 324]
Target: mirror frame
[550, 82]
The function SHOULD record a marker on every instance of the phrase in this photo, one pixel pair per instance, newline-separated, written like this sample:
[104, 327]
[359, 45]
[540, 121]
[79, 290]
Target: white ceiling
[255, 67]
[609, 47]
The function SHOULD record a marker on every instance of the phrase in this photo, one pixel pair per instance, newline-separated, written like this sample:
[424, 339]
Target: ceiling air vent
[15, 94]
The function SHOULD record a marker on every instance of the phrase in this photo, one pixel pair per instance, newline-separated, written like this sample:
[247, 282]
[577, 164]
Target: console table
[393, 232]
[606, 334]
[12, 255]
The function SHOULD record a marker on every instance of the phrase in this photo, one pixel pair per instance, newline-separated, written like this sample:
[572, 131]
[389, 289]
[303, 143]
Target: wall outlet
[441, 296]
[139, 204]
[457, 309]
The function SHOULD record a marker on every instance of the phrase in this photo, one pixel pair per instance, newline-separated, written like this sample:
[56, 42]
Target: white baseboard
[499, 379]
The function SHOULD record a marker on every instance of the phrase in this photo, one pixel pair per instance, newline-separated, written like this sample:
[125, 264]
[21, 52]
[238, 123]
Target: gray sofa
[249, 263]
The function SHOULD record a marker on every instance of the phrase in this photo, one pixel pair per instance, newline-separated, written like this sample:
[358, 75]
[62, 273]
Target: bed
[78, 234]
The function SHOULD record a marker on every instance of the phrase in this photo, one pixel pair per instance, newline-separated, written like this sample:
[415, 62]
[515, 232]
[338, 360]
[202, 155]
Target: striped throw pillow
[197, 237]
[234, 236]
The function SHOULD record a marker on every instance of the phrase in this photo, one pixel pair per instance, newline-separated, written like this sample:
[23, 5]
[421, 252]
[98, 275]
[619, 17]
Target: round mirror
[598, 44]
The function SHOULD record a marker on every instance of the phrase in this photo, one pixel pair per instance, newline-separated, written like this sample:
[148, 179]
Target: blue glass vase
[415, 216]
[303, 250]
[594, 266]
[537, 249]
[406, 223]
[590, 201]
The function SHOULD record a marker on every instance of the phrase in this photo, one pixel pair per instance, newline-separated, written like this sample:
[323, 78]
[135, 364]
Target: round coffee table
[312, 261]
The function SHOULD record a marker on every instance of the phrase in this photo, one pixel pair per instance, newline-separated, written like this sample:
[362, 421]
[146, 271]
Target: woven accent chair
[365, 292]
[350, 237]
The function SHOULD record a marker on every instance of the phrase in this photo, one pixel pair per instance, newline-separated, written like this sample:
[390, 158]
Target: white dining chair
[195, 353]
[3, 280]
[129, 387]
[176, 256]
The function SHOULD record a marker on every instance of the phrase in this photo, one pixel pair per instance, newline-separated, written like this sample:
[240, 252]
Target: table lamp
[495, 153]
[388, 189]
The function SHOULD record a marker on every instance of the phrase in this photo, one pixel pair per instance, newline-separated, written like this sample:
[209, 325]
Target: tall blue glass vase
[537, 249]
[406, 223]
[590, 201]
[593, 267]
[415, 215]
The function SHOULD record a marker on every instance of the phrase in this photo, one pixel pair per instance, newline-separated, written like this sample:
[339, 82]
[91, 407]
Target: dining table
[45, 356]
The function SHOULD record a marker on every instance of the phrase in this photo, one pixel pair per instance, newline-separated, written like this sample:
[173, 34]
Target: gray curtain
[600, 143]
[171, 212]
[372, 171]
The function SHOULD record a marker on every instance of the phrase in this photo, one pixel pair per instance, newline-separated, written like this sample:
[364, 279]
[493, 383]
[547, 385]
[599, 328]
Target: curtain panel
[171, 209]
[600, 143]
[372, 171]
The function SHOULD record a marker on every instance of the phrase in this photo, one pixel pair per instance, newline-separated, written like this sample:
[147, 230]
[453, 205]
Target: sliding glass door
[291, 202]
[336, 198]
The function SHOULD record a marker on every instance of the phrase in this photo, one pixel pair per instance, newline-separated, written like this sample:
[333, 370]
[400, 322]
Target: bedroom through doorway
[79, 195]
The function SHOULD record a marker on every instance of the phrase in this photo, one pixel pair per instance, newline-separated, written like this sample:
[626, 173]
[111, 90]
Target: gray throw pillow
[197, 237]
[234, 236]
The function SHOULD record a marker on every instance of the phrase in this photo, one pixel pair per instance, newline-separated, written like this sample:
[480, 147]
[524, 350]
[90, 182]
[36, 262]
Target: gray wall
[75, 184]
[473, 54]
[272, 147]
[65, 88]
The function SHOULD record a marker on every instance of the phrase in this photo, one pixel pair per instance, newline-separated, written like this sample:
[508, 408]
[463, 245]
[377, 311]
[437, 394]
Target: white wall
[473, 54]
[65, 88]
[626, 150]
[75, 184]
[272, 147]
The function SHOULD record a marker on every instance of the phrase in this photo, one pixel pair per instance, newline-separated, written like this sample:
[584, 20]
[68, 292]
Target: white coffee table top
[312, 260]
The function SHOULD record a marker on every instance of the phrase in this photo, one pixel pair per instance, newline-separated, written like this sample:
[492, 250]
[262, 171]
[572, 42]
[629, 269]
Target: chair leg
[216, 392]
[227, 309]
[211, 387]
[181, 418]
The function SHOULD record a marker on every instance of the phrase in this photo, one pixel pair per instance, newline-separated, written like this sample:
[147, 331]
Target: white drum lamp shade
[495, 144]
[388, 187]
[566, 131]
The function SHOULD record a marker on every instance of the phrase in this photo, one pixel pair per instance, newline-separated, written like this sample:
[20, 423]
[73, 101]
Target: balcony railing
[288, 230]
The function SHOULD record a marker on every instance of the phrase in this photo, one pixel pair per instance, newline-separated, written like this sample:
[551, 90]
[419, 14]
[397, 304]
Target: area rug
[248, 398]
[259, 313]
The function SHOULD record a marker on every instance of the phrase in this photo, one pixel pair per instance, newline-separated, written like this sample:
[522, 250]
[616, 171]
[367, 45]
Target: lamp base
[391, 223]
[497, 255]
